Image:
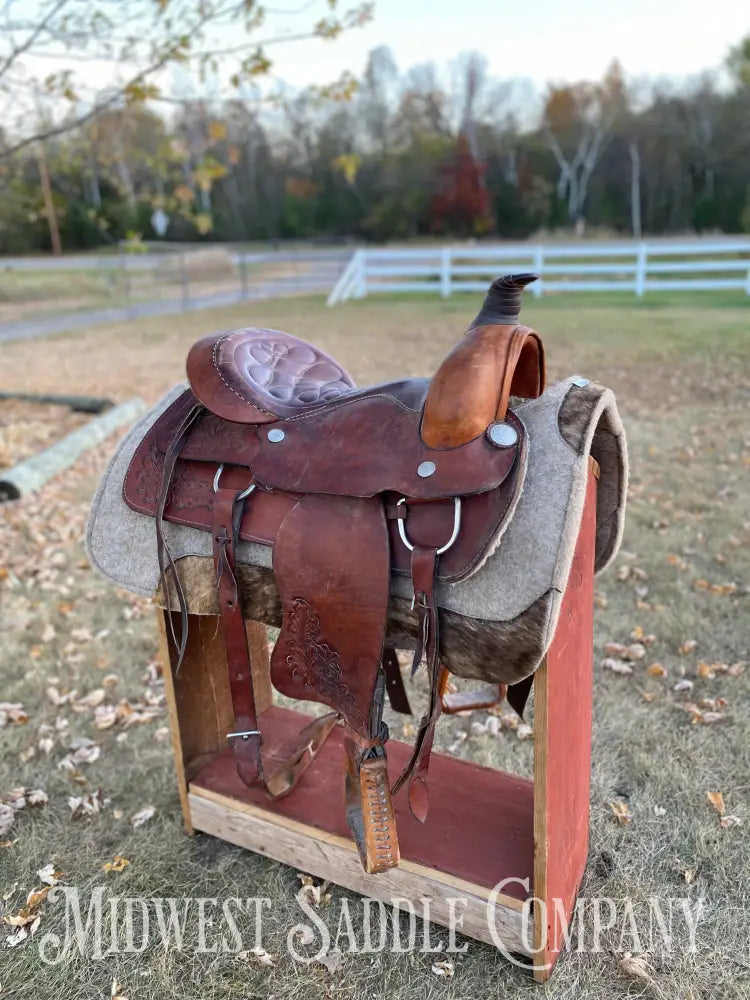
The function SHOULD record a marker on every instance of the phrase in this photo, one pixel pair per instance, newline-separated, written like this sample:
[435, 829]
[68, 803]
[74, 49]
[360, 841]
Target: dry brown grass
[680, 371]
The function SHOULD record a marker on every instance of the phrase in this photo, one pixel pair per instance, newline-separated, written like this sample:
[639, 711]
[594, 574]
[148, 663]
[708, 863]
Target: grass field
[679, 367]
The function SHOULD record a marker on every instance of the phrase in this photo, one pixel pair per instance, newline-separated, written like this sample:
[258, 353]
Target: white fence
[630, 267]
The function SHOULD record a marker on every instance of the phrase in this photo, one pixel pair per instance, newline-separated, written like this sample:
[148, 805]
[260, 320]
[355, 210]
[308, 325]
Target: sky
[534, 41]
[560, 40]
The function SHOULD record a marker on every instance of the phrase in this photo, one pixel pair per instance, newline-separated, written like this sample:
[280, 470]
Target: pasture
[665, 735]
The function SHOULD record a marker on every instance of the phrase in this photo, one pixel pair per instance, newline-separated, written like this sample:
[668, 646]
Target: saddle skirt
[507, 602]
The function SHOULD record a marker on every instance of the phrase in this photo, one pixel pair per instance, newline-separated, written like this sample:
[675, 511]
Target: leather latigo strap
[394, 683]
[246, 739]
[285, 766]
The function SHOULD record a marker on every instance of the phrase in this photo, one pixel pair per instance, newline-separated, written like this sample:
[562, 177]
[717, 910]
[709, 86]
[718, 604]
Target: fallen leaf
[86, 754]
[621, 812]
[614, 648]
[524, 731]
[683, 685]
[114, 992]
[698, 716]
[444, 968]
[50, 875]
[660, 811]
[12, 940]
[7, 816]
[118, 864]
[258, 955]
[713, 704]
[656, 670]
[636, 965]
[58, 699]
[12, 712]
[86, 805]
[91, 700]
[493, 725]
[105, 716]
[37, 797]
[142, 816]
[717, 801]
[332, 961]
[616, 666]
[688, 646]
[729, 821]
[315, 895]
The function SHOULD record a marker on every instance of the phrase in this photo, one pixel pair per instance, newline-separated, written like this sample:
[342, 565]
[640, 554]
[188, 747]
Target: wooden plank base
[479, 832]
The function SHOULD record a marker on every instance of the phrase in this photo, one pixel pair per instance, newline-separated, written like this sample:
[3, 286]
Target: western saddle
[274, 444]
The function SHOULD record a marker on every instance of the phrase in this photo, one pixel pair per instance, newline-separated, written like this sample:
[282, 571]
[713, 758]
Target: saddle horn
[496, 359]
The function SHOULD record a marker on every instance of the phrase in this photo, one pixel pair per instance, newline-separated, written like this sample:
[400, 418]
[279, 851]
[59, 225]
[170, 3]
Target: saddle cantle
[357, 494]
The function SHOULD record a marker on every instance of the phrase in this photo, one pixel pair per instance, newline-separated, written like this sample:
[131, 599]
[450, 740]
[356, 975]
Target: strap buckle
[456, 527]
[245, 735]
[240, 496]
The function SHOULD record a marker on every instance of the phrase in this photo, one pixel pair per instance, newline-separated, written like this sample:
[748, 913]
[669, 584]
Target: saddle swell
[273, 443]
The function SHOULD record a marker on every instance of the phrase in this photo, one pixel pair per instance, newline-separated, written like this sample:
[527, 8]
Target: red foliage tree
[462, 205]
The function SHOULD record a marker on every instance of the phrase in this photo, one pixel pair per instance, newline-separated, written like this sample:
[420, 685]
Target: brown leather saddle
[274, 444]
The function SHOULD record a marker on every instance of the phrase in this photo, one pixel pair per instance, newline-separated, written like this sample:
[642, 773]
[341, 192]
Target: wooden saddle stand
[351, 489]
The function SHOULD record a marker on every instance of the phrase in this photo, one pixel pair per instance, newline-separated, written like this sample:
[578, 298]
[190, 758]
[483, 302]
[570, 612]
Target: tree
[462, 206]
[738, 62]
[144, 39]
[577, 121]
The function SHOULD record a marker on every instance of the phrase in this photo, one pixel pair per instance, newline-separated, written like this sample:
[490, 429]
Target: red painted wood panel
[568, 735]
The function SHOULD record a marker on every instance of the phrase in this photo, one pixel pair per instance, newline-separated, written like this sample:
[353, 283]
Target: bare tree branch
[36, 33]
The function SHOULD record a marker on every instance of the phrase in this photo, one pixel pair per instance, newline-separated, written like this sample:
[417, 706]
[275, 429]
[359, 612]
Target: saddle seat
[259, 376]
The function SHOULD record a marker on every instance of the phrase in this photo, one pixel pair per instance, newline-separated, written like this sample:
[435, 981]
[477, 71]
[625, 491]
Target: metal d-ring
[240, 496]
[451, 540]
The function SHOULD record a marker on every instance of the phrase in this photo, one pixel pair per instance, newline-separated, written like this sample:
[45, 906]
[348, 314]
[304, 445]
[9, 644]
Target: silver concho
[502, 435]
[426, 469]
[276, 435]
